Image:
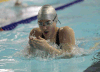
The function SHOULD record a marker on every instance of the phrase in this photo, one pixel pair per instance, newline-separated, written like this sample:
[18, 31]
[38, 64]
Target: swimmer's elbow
[30, 43]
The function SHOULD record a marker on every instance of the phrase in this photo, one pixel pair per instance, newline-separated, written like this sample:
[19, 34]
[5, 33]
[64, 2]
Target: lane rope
[28, 20]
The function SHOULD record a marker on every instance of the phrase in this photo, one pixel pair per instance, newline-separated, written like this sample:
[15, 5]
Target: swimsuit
[57, 37]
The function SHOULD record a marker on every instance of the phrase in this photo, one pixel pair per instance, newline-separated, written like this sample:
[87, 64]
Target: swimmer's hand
[41, 44]
[31, 41]
[38, 43]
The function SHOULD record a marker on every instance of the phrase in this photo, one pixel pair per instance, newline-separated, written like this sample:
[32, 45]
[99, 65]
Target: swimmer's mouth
[46, 32]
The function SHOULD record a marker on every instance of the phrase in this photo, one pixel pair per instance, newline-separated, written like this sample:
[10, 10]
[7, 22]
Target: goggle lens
[48, 23]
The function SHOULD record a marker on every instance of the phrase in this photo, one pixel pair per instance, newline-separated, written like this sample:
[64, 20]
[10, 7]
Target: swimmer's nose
[44, 27]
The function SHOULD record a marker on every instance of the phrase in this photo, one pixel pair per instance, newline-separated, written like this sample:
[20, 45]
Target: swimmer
[18, 3]
[63, 37]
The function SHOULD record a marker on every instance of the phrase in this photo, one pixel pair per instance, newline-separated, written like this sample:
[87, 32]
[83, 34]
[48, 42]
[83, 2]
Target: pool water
[82, 17]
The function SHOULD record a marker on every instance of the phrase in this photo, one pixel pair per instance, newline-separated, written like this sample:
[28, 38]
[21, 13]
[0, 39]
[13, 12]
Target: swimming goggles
[48, 23]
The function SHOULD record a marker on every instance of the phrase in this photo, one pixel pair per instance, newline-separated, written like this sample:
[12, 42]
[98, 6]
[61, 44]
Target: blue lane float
[28, 20]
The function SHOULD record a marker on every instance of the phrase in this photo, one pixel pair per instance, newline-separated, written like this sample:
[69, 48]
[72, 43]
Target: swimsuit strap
[57, 37]
[43, 36]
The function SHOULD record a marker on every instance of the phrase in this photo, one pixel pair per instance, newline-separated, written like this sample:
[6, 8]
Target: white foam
[6, 70]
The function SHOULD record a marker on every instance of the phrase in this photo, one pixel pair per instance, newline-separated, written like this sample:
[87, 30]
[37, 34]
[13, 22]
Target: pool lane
[13, 25]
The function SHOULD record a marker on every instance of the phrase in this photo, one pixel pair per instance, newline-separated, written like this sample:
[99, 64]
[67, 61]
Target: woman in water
[63, 37]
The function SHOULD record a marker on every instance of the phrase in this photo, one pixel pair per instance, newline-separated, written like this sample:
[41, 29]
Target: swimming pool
[83, 18]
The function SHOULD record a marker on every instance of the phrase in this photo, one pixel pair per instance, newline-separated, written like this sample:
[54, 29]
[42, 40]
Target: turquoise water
[83, 18]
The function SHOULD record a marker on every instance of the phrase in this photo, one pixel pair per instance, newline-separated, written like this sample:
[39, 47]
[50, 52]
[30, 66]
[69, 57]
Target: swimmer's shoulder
[36, 32]
[65, 29]
[66, 33]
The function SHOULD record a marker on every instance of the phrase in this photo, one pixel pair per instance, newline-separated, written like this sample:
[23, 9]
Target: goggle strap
[55, 17]
[59, 22]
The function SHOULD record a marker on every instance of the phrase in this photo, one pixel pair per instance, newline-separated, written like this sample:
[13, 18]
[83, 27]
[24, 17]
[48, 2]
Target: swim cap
[47, 12]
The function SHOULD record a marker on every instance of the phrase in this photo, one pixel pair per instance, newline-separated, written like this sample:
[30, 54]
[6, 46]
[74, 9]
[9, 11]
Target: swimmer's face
[47, 27]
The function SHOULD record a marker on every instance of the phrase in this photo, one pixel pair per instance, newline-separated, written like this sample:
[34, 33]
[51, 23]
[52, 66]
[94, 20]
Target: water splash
[44, 56]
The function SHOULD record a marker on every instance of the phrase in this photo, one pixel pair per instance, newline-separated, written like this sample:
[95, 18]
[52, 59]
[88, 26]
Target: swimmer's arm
[51, 50]
[67, 39]
[47, 48]
[33, 33]
[42, 44]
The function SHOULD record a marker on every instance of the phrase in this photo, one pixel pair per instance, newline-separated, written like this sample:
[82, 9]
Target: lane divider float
[28, 20]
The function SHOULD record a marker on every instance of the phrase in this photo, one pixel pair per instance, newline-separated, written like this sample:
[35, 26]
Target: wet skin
[66, 38]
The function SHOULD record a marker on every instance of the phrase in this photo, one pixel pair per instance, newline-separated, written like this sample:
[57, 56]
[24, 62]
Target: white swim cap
[47, 12]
